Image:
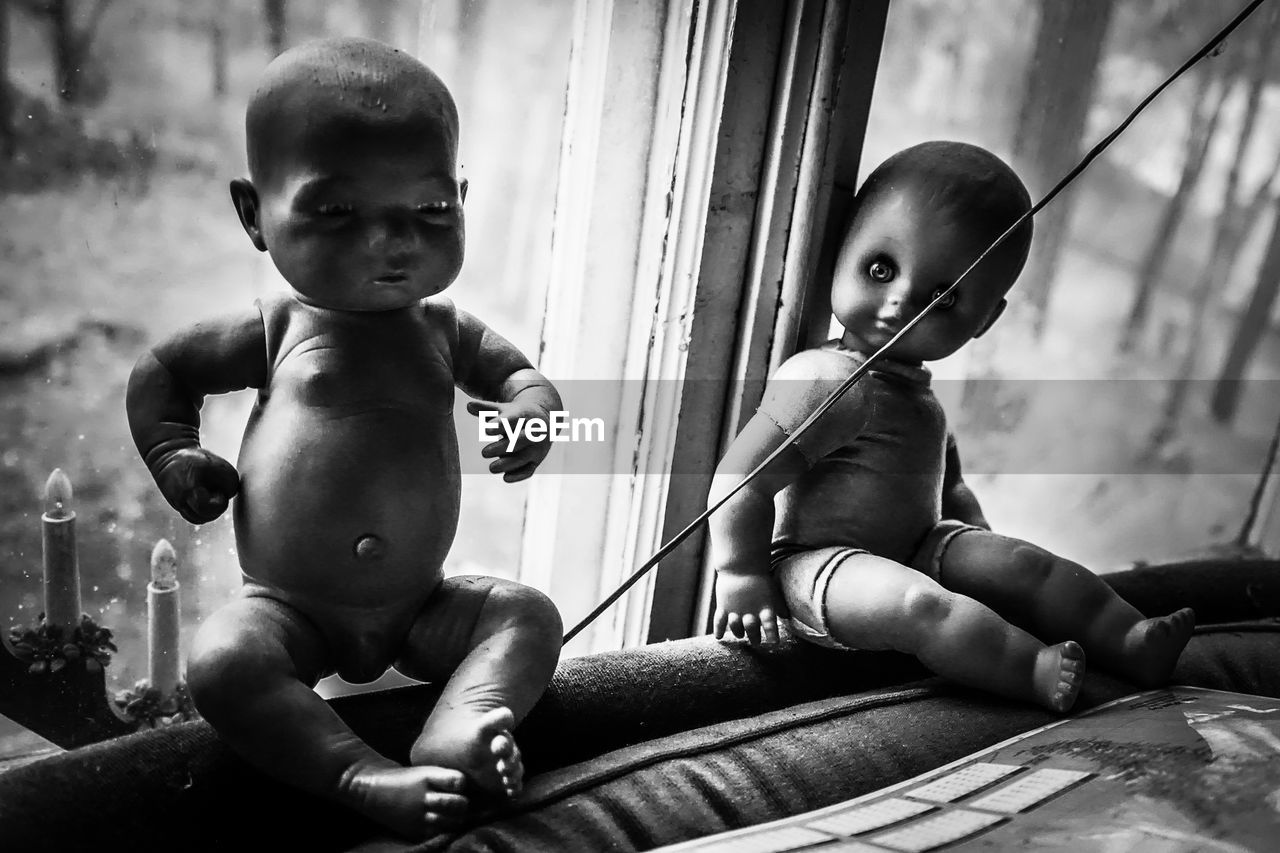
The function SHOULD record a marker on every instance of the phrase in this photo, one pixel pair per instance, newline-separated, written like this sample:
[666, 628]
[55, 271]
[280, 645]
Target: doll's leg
[874, 603]
[1057, 599]
[494, 644]
[251, 670]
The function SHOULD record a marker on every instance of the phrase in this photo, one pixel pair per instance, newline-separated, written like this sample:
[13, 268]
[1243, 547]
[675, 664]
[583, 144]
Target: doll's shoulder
[445, 323]
[443, 314]
[824, 364]
[805, 381]
[440, 312]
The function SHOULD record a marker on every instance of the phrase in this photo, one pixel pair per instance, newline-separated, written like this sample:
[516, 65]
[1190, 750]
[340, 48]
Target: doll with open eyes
[346, 492]
[862, 533]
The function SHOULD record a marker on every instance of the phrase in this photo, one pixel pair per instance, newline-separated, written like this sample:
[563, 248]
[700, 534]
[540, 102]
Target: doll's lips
[391, 278]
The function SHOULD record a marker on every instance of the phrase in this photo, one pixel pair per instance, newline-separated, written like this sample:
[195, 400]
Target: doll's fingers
[533, 455]
[444, 804]
[768, 627]
[203, 506]
[440, 821]
[207, 501]
[512, 465]
[475, 407]
[751, 625]
[444, 779]
[502, 465]
[497, 448]
[524, 444]
[220, 477]
[721, 620]
[191, 515]
[735, 625]
[520, 473]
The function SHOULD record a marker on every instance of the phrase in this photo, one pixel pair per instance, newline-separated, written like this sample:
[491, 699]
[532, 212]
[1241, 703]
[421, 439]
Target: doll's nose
[392, 234]
[895, 301]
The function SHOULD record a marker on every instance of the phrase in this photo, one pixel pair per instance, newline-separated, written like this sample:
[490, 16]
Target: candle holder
[52, 674]
[49, 647]
[149, 706]
[65, 703]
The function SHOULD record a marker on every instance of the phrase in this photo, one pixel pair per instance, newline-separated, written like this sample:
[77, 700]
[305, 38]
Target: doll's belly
[355, 511]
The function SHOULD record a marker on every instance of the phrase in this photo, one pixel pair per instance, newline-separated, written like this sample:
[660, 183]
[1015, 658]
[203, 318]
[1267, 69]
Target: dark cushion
[630, 750]
[804, 757]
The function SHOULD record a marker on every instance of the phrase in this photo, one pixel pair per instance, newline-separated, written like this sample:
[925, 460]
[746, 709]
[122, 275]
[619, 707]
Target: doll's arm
[742, 530]
[958, 500]
[489, 367]
[747, 600]
[166, 389]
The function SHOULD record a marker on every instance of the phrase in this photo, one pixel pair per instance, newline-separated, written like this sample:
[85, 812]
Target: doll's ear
[245, 198]
[991, 321]
[462, 189]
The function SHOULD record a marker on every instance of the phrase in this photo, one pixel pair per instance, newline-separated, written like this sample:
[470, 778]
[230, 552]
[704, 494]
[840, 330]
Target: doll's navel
[369, 547]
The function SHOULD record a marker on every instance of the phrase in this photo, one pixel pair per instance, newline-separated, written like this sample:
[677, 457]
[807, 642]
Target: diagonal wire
[863, 368]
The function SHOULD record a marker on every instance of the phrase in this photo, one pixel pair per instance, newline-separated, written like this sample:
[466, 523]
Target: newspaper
[1177, 769]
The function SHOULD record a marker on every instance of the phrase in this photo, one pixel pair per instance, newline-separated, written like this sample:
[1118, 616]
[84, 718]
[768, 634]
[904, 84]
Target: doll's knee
[219, 672]
[508, 603]
[1032, 564]
[926, 604]
[230, 660]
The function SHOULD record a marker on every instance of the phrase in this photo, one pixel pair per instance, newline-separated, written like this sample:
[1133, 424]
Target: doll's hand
[747, 604]
[515, 462]
[197, 483]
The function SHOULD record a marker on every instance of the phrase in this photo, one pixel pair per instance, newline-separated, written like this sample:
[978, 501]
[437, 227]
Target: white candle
[61, 564]
[162, 618]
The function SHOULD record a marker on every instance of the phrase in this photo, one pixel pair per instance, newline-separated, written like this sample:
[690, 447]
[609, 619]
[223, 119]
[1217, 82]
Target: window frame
[800, 167]
[720, 290]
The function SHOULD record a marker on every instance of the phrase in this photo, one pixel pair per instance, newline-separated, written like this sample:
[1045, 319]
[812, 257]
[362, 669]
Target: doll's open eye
[334, 209]
[945, 303]
[881, 271]
[436, 207]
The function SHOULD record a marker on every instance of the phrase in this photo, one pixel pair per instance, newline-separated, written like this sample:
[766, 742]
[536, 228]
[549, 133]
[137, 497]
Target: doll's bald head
[320, 94]
[973, 185]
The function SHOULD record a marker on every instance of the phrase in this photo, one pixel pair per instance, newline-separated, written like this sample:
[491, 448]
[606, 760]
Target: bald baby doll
[874, 540]
[346, 491]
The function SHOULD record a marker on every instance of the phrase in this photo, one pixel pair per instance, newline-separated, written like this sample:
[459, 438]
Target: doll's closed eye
[335, 209]
[945, 303]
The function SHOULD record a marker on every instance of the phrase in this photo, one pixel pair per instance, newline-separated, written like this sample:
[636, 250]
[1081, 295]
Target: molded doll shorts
[805, 575]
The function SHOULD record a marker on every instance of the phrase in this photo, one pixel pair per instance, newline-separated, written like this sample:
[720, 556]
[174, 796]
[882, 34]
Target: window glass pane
[117, 229]
[1094, 445]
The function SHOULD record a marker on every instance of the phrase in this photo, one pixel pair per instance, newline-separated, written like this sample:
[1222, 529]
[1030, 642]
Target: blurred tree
[1228, 233]
[1256, 317]
[1201, 125]
[217, 23]
[1060, 82]
[8, 136]
[273, 15]
[72, 32]
[1059, 89]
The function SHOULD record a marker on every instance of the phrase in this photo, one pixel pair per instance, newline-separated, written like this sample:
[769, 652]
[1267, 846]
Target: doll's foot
[416, 802]
[1059, 673]
[482, 747]
[1152, 647]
